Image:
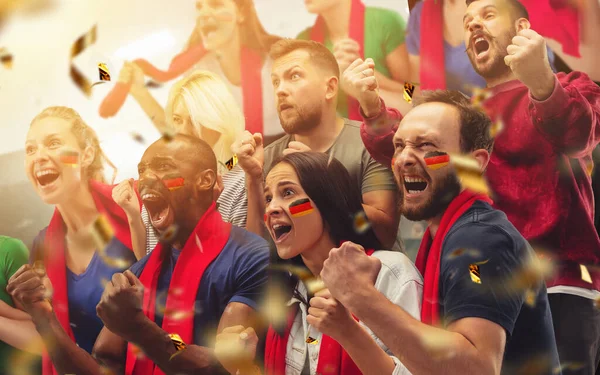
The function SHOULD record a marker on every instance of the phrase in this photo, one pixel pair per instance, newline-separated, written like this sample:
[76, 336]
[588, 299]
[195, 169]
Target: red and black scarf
[429, 256]
[357, 32]
[333, 359]
[251, 68]
[54, 248]
[202, 247]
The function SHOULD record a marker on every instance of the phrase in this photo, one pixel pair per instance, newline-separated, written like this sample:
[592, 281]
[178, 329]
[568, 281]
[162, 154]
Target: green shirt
[384, 32]
[13, 254]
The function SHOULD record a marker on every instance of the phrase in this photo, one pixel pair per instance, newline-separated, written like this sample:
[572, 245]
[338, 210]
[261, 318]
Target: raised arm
[124, 195]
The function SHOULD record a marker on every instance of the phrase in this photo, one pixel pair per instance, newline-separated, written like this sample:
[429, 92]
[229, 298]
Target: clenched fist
[132, 74]
[31, 288]
[346, 51]
[328, 315]
[236, 348]
[124, 195]
[250, 153]
[359, 82]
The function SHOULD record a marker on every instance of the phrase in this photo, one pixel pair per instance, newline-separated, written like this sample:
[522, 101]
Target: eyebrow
[419, 138]
[281, 183]
[288, 70]
[45, 137]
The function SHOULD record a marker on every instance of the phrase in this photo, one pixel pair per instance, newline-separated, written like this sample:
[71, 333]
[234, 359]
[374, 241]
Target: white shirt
[398, 280]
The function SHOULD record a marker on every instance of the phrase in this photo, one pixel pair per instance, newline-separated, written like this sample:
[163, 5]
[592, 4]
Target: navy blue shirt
[238, 274]
[529, 329]
[84, 290]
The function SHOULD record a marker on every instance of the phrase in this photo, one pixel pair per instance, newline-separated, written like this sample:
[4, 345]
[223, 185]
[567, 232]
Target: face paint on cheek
[436, 159]
[69, 157]
[393, 162]
[265, 217]
[173, 182]
[301, 207]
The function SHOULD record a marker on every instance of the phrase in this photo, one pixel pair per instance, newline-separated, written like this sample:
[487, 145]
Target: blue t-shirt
[529, 329]
[459, 71]
[84, 290]
[238, 274]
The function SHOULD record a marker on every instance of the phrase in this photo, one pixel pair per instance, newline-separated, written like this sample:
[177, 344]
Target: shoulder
[305, 34]
[351, 131]
[577, 79]
[275, 149]
[246, 246]
[13, 246]
[396, 266]
[387, 16]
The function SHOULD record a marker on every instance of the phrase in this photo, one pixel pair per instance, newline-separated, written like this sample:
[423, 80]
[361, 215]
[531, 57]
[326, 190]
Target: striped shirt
[232, 205]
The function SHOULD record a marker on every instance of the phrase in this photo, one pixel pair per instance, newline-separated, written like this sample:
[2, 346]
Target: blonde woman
[202, 106]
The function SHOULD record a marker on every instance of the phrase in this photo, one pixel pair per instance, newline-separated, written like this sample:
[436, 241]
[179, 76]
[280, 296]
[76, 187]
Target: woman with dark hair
[312, 206]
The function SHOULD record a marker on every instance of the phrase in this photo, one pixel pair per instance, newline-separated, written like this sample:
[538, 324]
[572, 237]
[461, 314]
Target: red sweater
[538, 169]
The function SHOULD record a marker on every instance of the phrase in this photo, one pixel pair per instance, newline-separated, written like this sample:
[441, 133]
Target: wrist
[372, 108]
[254, 180]
[359, 300]
[140, 330]
[544, 87]
[44, 321]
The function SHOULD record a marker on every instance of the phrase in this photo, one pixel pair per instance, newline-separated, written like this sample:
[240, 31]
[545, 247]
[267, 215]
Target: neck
[192, 218]
[229, 56]
[503, 78]
[337, 19]
[318, 254]
[79, 211]
[321, 137]
[434, 224]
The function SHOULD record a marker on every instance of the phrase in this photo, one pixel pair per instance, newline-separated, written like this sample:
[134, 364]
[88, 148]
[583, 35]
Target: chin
[285, 252]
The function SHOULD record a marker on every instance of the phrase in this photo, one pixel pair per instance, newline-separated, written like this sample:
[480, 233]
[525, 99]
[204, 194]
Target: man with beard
[305, 77]
[540, 170]
[205, 275]
[475, 318]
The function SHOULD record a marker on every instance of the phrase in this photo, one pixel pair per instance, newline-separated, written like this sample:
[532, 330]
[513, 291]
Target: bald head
[184, 149]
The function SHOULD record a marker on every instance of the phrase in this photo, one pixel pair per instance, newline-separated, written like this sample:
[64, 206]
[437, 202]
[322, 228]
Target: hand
[124, 195]
[346, 51]
[349, 273]
[250, 153]
[218, 188]
[295, 146]
[236, 348]
[120, 306]
[32, 290]
[328, 315]
[359, 82]
[528, 59]
[132, 74]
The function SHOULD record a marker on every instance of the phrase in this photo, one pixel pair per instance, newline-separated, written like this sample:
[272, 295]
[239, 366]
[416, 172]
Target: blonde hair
[86, 137]
[210, 105]
[252, 32]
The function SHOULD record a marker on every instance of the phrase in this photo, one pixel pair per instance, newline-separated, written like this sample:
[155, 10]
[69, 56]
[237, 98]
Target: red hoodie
[538, 169]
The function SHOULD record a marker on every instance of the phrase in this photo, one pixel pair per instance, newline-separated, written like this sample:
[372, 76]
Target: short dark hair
[474, 123]
[518, 10]
[319, 54]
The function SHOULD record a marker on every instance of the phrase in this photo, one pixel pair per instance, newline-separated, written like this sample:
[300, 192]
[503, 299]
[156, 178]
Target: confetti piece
[169, 235]
[361, 222]
[463, 252]
[475, 274]
[274, 307]
[173, 182]
[232, 162]
[302, 273]
[311, 340]
[496, 128]
[479, 96]
[103, 72]
[440, 346]
[530, 298]
[436, 159]
[6, 58]
[137, 137]
[314, 285]
[78, 47]
[102, 232]
[534, 272]
[589, 167]
[409, 89]
[301, 207]
[169, 134]
[469, 173]
[585, 274]
[151, 84]
[69, 157]
[177, 341]
[137, 352]
[571, 366]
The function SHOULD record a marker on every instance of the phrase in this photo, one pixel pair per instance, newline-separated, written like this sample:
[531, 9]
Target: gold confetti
[469, 173]
[311, 340]
[589, 167]
[274, 306]
[314, 285]
[531, 274]
[571, 366]
[169, 235]
[102, 232]
[103, 72]
[6, 58]
[475, 274]
[137, 137]
[496, 128]
[78, 47]
[137, 352]
[302, 273]
[462, 252]
[479, 96]
[409, 89]
[232, 162]
[530, 298]
[177, 341]
[585, 274]
[361, 222]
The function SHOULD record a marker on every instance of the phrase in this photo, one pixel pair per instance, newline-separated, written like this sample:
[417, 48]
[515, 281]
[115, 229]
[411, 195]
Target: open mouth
[480, 45]
[158, 209]
[209, 29]
[280, 230]
[46, 177]
[414, 185]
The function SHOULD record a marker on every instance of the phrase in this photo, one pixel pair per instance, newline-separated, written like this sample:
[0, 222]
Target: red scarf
[333, 359]
[545, 16]
[357, 32]
[251, 83]
[429, 256]
[202, 247]
[54, 255]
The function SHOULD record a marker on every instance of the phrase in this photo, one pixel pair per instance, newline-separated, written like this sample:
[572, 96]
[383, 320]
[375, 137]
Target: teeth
[415, 191]
[479, 39]
[149, 195]
[45, 172]
[413, 179]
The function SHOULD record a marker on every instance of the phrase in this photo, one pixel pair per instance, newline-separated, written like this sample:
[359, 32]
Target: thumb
[258, 139]
[133, 280]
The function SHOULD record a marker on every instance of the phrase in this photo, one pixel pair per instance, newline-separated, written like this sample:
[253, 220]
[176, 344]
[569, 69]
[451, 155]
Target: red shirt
[539, 168]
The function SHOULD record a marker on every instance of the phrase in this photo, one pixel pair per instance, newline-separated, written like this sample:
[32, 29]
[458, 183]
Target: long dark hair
[329, 185]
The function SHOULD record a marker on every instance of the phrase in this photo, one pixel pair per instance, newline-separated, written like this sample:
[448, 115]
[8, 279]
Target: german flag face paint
[436, 159]
[69, 157]
[173, 182]
[301, 207]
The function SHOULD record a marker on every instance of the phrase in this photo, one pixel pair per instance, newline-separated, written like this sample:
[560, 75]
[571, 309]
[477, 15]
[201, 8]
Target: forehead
[438, 120]
[298, 57]
[175, 149]
[280, 172]
[49, 125]
[479, 5]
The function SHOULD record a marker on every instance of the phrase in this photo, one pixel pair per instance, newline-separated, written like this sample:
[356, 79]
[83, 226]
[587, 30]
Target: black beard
[305, 121]
[442, 195]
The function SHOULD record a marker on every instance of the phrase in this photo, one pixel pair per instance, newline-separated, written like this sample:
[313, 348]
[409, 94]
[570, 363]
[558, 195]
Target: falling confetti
[169, 235]
[469, 173]
[102, 232]
[78, 47]
[232, 162]
[475, 274]
[479, 96]
[439, 345]
[169, 134]
[585, 274]
[6, 58]
[311, 340]
[463, 252]
[314, 285]
[274, 306]
[409, 89]
[302, 273]
[137, 352]
[137, 137]
[530, 298]
[177, 341]
[436, 159]
[361, 222]
[103, 72]
[496, 128]
[151, 84]
[571, 366]
[531, 274]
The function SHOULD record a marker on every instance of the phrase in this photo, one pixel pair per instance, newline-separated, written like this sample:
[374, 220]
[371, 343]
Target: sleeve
[570, 117]
[305, 34]
[394, 30]
[413, 31]
[251, 273]
[15, 254]
[496, 258]
[375, 176]
[377, 140]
